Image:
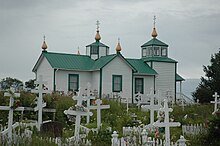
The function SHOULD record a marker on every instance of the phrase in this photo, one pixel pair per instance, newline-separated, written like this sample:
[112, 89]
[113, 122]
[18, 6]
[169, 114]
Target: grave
[167, 124]
[88, 101]
[78, 112]
[216, 102]
[40, 104]
[11, 93]
[152, 107]
[99, 107]
[52, 128]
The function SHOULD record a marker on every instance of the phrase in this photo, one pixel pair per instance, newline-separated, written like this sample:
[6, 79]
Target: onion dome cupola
[118, 47]
[154, 47]
[44, 45]
[97, 49]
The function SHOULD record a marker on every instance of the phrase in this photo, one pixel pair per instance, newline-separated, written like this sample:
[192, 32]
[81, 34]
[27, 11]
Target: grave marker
[88, 100]
[99, 107]
[80, 111]
[152, 107]
[11, 93]
[166, 122]
[40, 103]
[216, 102]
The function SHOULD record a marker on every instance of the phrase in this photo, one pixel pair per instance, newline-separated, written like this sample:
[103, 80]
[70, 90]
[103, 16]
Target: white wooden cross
[79, 98]
[152, 107]
[11, 94]
[78, 113]
[138, 99]
[99, 107]
[216, 102]
[88, 100]
[167, 124]
[40, 103]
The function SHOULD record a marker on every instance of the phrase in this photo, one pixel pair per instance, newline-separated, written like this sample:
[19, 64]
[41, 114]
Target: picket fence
[23, 136]
[193, 129]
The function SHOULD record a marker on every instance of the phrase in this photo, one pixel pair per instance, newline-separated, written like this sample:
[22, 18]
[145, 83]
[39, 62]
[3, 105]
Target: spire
[97, 36]
[44, 45]
[154, 33]
[118, 47]
[78, 53]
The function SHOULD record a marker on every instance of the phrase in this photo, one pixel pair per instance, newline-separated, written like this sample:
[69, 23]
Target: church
[110, 73]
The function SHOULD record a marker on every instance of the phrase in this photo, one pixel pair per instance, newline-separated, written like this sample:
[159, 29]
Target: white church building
[110, 73]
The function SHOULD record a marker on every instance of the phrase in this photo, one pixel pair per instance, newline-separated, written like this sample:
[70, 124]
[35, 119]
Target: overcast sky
[191, 28]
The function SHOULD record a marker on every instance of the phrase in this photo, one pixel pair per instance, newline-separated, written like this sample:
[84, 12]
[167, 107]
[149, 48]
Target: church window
[94, 50]
[73, 82]
[150, 51]
[163, 51]
[156, 51]
[139, 85]
[144, 52]
[117, 83]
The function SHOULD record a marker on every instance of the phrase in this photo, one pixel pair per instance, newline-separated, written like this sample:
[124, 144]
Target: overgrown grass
[115, 117]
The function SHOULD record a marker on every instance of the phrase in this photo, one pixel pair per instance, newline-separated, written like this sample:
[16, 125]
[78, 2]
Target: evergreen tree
[8, 82]
[211, 83]
[30, 84]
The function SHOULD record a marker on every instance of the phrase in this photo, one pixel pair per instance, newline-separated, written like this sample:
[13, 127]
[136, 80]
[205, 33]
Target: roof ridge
[67, 54]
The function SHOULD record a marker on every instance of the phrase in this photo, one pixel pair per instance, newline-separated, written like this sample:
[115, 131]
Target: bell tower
[97, 49]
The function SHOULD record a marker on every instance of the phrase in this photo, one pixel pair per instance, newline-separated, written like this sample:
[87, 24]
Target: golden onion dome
[97, 36]
[118, 47]
[44, 46]
[154, 33]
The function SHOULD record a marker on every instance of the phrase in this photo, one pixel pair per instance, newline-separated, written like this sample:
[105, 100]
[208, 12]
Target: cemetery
[44, 118]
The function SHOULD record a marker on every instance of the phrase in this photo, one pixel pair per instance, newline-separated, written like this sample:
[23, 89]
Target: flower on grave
[157, 133]
[17, 103]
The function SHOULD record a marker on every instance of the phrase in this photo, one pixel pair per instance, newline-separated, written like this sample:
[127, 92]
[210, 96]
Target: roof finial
[154, 33]
[97, 24]
[44, 45]
[78, 53]
[154, 21]
[118, 47]
[97, 36]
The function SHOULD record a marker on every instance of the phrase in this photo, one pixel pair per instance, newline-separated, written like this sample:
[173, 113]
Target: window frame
[77, 82]
[94, 50]
[164, 50]
[113, 83]
[142, 85]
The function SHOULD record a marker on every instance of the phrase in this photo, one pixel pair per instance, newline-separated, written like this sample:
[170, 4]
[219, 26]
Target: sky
[191, 28]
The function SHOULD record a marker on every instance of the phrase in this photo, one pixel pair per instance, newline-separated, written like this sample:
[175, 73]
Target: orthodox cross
[40, 104]
[152, 107]
[99, 107]
[11, 93]
[216, 102]
[154, 21]
[97, 24]
[89, 97]
[167, 124]
[80, 111]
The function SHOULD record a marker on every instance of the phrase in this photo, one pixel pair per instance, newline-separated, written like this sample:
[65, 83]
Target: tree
[211, 83]
[8, 82]
[30, 84]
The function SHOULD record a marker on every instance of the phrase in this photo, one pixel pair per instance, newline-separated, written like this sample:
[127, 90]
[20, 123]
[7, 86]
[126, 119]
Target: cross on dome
[154, 33]
[97, 24]
[97, 36]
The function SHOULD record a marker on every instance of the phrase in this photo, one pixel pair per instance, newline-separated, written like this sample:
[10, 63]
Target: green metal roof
[179, 78]
[69, 61]
[102, 61]
[97, 43]
[141, 67]
[77, 62]
[154, 42]
[158, 59]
